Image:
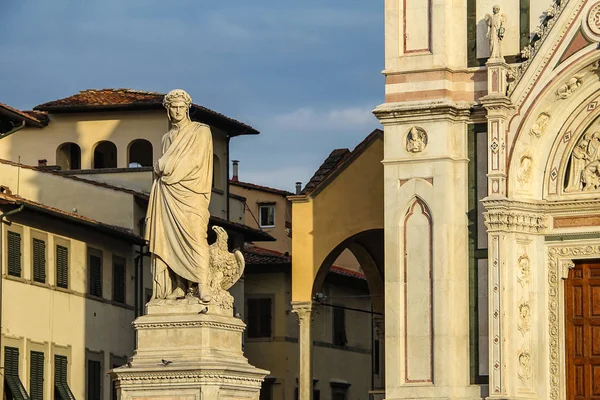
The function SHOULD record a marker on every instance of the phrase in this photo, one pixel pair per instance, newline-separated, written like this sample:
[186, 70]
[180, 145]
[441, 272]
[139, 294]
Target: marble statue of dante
[496, 30]
[177, 218]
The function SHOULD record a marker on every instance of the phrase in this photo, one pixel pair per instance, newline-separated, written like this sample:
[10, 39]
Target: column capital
[302, 309]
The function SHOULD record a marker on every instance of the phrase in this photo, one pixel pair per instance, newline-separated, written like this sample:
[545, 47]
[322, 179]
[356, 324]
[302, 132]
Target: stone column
[498, 107]
[303, 310]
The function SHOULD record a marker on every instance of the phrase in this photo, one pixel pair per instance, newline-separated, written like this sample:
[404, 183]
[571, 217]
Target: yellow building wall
[254, 198]
[350, 204]
[279, 354]
[53, 320]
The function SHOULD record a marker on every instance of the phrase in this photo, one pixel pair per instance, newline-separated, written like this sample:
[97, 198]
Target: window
[62, 266]
[339, 391]
[68, 156]
[94, 380]
[267, 216]
[376, 357]
[140, 153]
[115, 362]
[61, 387]
[339, 327]
[13, 387]
[119, 280]
[14, 253]
[39, 260]
[259, 318]
[95, 273]
[36, 375]
[105, 155]
[266, 390]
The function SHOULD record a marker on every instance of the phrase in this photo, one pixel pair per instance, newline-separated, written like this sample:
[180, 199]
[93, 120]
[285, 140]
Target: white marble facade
[537, 175]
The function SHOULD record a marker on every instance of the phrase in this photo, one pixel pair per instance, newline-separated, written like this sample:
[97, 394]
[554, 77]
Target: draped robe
[177, 218]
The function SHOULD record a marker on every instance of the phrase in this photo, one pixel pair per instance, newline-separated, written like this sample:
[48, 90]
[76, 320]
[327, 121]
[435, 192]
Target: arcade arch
[68, 156]
[105, 155]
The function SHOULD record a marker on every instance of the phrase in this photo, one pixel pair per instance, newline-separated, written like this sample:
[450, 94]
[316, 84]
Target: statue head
[496, 9]
[178, 103]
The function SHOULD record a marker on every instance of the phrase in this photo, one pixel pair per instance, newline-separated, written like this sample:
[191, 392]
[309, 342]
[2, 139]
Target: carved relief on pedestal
[524, 316]
[584, 164]
[524, 270]
[524, 366]
[540, 125]
[416, 140]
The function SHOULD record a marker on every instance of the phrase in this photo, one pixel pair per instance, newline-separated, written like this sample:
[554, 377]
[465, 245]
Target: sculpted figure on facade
[524, 271]
[566, 90]
[539, 127]
[183, 264]
[525, 170]
[524, 316]
[495, 33]
[584, 168]
[416, 140]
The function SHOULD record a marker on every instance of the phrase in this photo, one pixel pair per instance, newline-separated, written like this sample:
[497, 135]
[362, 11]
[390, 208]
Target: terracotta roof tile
[35, 118]
[124, 99]
[347, 272]
[330, 163]
[254, 186]
[259, 256]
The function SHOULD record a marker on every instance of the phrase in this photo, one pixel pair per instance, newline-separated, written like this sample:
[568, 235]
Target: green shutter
[39, 260]
[15, 391]
[14, 253]
[62, 267]
[94, 380]
[11, 361]
[61, 387]
[36, 375]
[119, 281]
[95, 275]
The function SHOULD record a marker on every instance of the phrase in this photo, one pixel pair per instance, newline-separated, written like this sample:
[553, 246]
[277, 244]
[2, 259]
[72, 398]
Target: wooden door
[582, 313]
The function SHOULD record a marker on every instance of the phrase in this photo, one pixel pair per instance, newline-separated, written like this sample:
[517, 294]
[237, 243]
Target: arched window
[105, 155]
[216, 172]
[68, 156]
[140, 154]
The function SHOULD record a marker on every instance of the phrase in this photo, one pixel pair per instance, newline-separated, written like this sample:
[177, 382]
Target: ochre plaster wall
[254, 198]
[65, 321]
[350, 204]
[279, 353]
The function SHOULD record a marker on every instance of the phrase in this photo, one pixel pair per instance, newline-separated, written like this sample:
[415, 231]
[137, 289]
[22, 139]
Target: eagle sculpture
[226, 268]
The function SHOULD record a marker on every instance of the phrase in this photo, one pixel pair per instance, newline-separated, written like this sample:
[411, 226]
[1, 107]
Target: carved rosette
[591, 26]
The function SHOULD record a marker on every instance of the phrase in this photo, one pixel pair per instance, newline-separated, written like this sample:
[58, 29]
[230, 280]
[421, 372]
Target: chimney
[43, 163]
[234, 178]
[298, 187]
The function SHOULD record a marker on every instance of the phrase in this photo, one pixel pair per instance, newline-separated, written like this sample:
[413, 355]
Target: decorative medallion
[416, 140]
[593, 19]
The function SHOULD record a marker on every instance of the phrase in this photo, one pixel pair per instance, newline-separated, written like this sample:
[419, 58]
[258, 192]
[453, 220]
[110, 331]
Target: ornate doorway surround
[560, 260]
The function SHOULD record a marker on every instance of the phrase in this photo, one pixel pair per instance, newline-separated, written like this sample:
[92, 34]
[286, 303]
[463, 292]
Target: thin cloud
[307, 119]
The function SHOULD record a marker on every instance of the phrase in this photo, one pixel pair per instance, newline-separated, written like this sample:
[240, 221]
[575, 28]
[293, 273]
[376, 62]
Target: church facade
[492, 197]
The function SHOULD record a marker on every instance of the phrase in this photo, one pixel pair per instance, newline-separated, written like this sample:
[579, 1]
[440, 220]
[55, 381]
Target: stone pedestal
[187, 350]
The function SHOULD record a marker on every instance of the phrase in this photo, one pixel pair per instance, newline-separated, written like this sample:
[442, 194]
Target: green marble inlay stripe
[471, 34]
[524, 28]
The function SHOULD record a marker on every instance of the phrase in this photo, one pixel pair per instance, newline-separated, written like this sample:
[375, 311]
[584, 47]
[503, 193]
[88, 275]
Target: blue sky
[305, 73]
